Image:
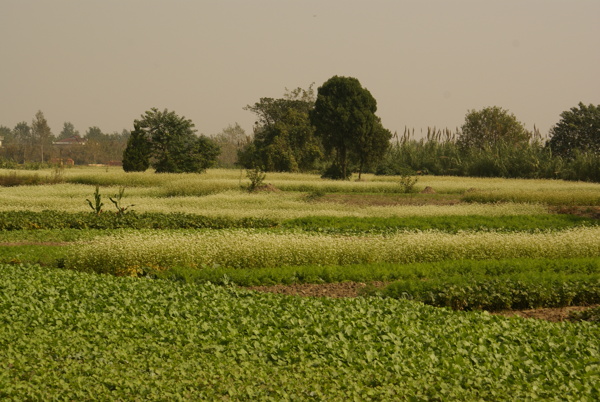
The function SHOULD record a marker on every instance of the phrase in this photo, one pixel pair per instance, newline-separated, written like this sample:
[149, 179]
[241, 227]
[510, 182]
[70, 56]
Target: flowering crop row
[131, 253]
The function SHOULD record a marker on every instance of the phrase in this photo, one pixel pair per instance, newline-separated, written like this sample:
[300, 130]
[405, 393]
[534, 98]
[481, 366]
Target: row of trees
[335, 131]
[35, 143]
[293, 133]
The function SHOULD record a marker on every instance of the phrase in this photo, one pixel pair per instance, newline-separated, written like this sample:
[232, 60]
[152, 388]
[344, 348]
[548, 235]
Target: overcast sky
[103, 63]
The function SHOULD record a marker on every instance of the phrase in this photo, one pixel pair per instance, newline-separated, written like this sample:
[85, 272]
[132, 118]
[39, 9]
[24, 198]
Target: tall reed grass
[440, 154]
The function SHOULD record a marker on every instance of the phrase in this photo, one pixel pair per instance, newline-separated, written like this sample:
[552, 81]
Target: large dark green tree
[284, 140]
[136, 156]
[490, 127]
[577, 130]
[173, 145]
[345, 120]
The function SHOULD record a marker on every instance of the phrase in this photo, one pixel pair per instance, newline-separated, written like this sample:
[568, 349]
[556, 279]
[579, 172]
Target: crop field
[143, 297]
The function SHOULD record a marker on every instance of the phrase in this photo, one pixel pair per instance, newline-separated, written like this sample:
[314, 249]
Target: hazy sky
[103, 63]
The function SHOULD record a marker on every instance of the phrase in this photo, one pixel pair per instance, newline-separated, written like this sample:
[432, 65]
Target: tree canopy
[345, 120]
[284, 139]
[172, 145]
[491, 126]
[578, 129]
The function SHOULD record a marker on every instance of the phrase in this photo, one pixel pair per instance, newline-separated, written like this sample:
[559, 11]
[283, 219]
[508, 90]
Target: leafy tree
[136, 156]
[345, 120]
[95, 134]
[173, 145]
[578, 129]
[490, 127]
[41, 133]
[231, 139]
[24, 140]
[68, 131]
[284, 139]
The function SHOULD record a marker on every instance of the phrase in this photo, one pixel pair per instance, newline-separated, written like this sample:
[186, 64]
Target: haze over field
[426, 62]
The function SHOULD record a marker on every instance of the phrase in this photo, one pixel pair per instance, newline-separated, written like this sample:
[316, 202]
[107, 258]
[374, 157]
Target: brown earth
[352, 289]
[585, 211]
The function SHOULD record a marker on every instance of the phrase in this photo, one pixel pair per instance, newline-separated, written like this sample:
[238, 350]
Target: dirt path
[351, 289]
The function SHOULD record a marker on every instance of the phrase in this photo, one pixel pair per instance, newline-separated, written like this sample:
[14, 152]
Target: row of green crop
[517, 291]
[461, 285]
[27, 220]
[449, 224]
[70, 336]
[384, 272]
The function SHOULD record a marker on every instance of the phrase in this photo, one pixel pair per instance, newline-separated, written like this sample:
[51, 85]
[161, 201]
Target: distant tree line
[334, 131]
[34, 143]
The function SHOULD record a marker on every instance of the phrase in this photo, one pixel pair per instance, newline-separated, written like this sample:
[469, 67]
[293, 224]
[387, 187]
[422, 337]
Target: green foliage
[345, 120]
[490, 127]
[517, 291]
[448, 224]
[577, 131]
[380, 272]
[336, 172]
[26, 220]
[117, 201]
[284, 139]
[136, 156]
[97, 204]
[591, 314]
[408, 182]
[441, 154]
[257, 177]
[173, 145]
[67, 335]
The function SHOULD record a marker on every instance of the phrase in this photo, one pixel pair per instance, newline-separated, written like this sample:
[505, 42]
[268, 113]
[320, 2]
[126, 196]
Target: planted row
[27, 220]
[450, 224]
[517, 291]
[386, 272]
[138, 252]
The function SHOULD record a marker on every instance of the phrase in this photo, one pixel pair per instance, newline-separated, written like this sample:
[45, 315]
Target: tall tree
[578, 129]
[41, 133]
[136, 156]
[344, 117]
[174, 147]
[231, 140]
[25, 142]
[284, 139]
[490, 127]
[68, 131]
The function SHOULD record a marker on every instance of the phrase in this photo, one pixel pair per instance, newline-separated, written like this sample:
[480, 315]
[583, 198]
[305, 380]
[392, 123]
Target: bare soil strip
[352, 289]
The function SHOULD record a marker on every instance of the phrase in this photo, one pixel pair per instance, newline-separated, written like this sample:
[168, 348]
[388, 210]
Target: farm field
[150, 303]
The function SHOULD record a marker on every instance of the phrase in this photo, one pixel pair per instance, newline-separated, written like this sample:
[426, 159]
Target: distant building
[76, 140]
[1, 139]
[62, 161]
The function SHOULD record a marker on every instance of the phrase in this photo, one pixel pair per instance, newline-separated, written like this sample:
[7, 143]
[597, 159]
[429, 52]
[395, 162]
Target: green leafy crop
[67, 335]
